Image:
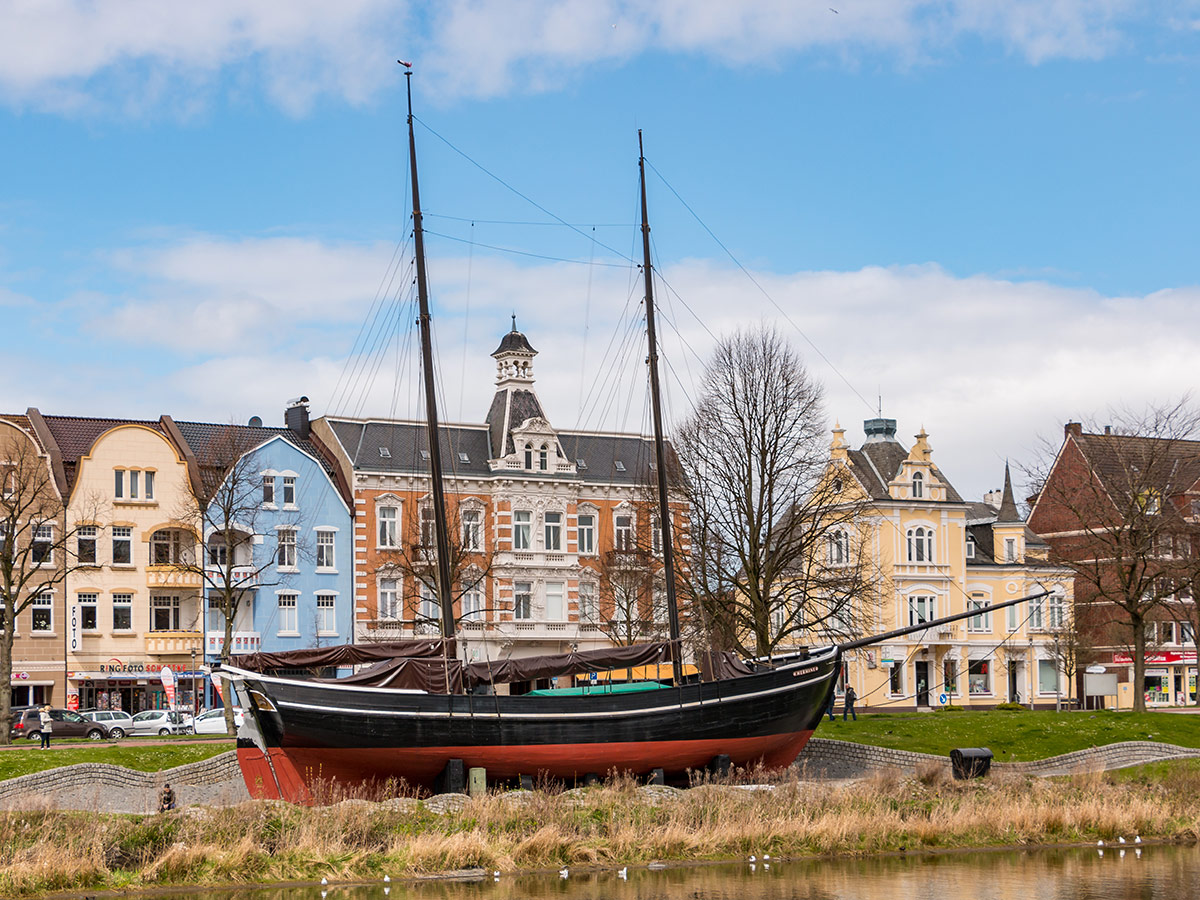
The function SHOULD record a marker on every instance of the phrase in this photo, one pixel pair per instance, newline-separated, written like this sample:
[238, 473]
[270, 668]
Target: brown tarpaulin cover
[436, 675]
[342, 655]
[716, 665]
[531, 668]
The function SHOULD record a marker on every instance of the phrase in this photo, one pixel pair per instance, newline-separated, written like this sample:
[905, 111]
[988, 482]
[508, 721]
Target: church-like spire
[1008, 505]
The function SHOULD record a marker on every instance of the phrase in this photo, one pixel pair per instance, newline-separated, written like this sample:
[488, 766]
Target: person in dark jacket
[166, 800]
[849, 707]
[829, 709]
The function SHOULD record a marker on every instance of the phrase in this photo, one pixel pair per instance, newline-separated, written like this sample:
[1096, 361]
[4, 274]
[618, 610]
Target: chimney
[1073, 428]
[1108, 429]
[295, 417]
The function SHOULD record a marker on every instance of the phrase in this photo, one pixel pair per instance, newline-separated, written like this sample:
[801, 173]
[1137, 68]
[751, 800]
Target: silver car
[161, 722]
[118, 721]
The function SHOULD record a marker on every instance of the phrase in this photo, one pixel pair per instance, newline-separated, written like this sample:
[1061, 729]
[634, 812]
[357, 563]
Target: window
[389, 608]
[1037, 614]
[522, 600]
[838, 548]
[87, 611]
[970, 546]
[1047, 677]
[164, 613]
[42, 613]
[326, 623]
[268, 490]
[624, 603]
[389, 526]
[979, 678]
[896, 680]
[586, 533]
[552, 522]
[623, 532]
[529, 456]
[1010, 550]
[149, 483]
[587, 602]
[543, 458]
[950, 676]
[85, 545]
[42, 548]
[287, 614]
[429, 613]
[133, 484]
[1166, 632]
[472, 529]
[286, 555]
[325, 558]
[920, 609]
[428, 527]
[464, 457]
[920, 545]
[122, 612]
[118, 483]
[218, 552]
[289, 490]
[918, 485]
[472, 603]
[555, 606]
[522, 525]
[655, 535]
[169, 547]
[385, 453]
[982, 621]
[1012, 618]
[122, 545]
[1055, 609]
[1187, 633]
[659, 612]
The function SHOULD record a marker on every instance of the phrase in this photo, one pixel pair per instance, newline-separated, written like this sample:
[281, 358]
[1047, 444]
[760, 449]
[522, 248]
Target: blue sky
[985, 212]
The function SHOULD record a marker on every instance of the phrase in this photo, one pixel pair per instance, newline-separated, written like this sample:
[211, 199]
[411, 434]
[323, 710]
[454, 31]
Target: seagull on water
[563, 873]
[623, 873]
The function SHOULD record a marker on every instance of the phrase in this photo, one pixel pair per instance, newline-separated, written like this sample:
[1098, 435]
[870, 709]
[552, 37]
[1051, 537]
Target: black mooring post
[720, 765]
[453, 779]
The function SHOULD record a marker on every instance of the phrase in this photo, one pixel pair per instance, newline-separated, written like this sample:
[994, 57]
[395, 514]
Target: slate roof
[980, 518]
[514, 341]
[75, 436]
[404, 441]
[510, 408]
[204, 440]
[876, 463]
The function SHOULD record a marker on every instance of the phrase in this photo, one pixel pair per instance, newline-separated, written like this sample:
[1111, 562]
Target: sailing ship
[417, 710]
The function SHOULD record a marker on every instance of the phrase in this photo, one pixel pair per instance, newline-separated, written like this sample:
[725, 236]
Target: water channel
[1149, 873]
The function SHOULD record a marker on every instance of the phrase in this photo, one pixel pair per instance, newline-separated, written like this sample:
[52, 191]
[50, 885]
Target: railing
[243, 642]
[162, 642]
[169, 576]
[239, 576]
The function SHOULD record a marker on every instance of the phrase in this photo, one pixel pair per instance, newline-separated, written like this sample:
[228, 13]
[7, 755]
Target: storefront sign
[137, 668]
[73, 630]
[1165, 657]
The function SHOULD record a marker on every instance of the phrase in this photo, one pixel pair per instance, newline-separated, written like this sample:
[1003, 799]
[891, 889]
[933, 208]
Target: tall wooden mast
[660, 456]
[444, 584]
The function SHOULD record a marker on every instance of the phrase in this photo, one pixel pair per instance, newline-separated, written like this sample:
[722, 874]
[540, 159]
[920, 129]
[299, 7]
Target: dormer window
[543, 458]
[918, 485]
[619, 466]
[385, 453]
[529, 456]
[582, 464]
[970, 546]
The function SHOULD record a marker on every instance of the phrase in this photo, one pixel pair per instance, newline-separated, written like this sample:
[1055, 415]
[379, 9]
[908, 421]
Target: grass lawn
[1011, 734]
[143, 758]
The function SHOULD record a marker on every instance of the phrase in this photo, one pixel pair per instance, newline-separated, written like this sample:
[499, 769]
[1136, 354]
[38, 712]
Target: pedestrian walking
[47, 726]
[829, 709]
[849, 707]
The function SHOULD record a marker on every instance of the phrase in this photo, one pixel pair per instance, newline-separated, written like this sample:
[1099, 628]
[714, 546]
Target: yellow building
[938, 554]
[132, 612]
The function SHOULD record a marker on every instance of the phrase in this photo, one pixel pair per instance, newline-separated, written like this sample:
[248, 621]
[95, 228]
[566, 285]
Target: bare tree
[39, 546]
[1115, 509]
[775, 548]
[1073, 648]
[224, 511]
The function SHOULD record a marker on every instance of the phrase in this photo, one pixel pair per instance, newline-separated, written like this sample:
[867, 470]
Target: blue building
[297, 561]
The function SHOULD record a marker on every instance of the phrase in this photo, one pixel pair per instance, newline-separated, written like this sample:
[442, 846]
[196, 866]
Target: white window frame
[472, 529]
[552, 530]
[1056, 609]
[387, 527]
[624, 535]
[89, 600]
[988, 686]
[472, 601]
[585, 535]
[86, 533]
[970, 551]
[118, 484]
[522, 529]
[122, 601]
[327, 542]
[429, 613]
[920, 546]
[289, 486]
[287, 604]
[914, 602]
[268, 490]
[43, 601]
[43, 534]
[522, 601]
[838, 547]
[134, 483]
[122, 534]
[555, 592]
[918, 485]
[173, 604]
[326, 613]
[427, 525]
[896, 679]
[390, 602]
[286, 551]
[589, 608]
[148, 484]
[983, 621]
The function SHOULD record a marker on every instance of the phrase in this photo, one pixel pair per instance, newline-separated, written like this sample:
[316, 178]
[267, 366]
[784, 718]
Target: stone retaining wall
[216, 781]
[827, 759]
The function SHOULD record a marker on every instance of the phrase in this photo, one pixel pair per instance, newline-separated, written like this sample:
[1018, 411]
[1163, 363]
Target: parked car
[118, 721]
[161, 721]
[27, 723]
[212, 721]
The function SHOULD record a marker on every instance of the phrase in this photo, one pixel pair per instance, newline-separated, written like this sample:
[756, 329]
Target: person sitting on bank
[166, 800]
[47, 726]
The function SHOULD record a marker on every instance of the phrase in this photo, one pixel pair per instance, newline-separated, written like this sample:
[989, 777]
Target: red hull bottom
[293, 773]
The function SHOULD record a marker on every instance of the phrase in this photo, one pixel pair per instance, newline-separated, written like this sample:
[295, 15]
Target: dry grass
[616, 823]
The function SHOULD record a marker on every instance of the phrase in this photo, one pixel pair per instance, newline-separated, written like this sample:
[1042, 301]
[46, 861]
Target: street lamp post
[195, 707]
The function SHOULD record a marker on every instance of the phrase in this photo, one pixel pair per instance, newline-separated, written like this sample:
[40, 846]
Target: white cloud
[79, 57]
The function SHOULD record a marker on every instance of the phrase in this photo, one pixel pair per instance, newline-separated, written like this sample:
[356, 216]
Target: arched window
[529, 456]
[920, 545]
[838, 548]
[543, 458]
[918, 485]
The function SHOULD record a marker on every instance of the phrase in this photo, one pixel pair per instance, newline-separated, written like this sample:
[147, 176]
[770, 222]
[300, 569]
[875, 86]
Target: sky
[979, 217]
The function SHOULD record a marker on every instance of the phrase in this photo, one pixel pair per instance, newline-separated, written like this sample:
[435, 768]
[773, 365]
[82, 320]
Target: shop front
[34, 688]
[133, 687]
[1170, 676]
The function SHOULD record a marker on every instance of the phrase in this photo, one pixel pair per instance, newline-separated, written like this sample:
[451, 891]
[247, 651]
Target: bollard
[527, 782]
[453, 778]
[476, 781]
[720, 765]
[657, 777]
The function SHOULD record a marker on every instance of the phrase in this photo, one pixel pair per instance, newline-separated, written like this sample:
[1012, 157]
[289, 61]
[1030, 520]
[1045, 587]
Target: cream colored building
[132, 612]
[937, 555]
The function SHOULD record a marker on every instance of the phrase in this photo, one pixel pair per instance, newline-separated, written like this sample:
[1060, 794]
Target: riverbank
[614, 824]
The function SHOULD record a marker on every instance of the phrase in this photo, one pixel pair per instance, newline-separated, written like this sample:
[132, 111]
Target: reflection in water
[1161, 873]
